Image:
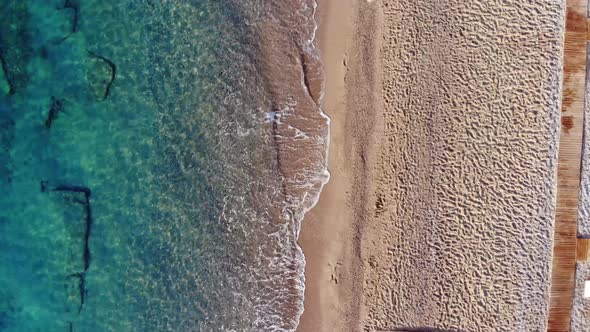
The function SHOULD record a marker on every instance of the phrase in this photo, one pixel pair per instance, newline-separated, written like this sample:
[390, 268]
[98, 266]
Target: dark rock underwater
[141, 188]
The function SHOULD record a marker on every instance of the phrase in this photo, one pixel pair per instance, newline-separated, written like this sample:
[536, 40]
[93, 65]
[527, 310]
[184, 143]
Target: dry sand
[581, 309]
[440, 207]
[584, 215]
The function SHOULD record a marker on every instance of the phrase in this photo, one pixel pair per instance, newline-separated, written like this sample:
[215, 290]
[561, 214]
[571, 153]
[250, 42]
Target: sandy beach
[331, 231]
[440, 208]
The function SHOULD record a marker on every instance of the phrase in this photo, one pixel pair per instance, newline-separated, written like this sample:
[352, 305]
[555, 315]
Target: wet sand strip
[568, 167]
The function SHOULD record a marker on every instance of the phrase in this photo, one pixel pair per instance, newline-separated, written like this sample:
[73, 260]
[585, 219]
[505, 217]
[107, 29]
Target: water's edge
[314, 40]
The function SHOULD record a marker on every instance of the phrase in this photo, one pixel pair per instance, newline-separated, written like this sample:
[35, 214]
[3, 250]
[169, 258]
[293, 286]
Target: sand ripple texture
[581, 308]
[584, 205]
[463, 174]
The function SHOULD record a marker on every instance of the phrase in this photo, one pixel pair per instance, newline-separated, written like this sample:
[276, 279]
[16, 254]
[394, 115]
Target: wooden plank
[568, 166]
[583, 250]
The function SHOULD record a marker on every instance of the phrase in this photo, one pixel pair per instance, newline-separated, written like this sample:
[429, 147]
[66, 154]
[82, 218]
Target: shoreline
[330, 234]
[320, 252]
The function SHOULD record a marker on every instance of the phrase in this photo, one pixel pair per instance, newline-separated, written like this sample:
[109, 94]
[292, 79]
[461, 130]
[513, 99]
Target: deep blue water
[156, 159]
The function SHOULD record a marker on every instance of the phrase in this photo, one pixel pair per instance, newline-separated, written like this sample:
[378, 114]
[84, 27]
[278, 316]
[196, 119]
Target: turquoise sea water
[156, 159]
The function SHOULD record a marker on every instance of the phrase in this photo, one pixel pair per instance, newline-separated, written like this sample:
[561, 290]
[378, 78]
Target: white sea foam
[323, 175]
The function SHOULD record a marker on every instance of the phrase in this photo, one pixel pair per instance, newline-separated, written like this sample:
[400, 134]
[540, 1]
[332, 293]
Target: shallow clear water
[156, 158]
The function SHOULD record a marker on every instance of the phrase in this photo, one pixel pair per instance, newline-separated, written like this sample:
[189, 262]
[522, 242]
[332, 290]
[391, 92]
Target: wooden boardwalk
[568, 168]
[583, 250]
